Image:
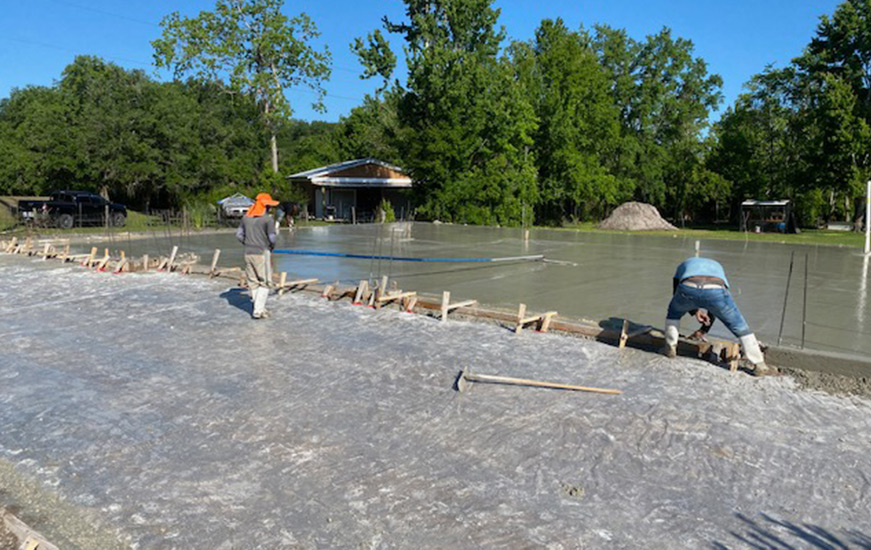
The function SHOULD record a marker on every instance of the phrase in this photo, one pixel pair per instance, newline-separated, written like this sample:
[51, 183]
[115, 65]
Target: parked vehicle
[66, 209]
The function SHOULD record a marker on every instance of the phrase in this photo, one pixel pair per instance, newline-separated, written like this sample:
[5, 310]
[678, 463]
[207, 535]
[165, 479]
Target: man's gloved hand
[700, 335]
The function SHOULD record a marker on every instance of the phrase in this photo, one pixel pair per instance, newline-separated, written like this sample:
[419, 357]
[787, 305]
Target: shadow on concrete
[770, 533]
[237, 299]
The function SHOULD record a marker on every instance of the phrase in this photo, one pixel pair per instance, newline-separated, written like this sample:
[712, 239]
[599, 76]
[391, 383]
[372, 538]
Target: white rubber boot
[259, 296]
[754, 354]
[672, 333]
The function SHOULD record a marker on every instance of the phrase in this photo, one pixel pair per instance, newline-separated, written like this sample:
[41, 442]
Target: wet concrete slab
[616, 275]
[155, 403]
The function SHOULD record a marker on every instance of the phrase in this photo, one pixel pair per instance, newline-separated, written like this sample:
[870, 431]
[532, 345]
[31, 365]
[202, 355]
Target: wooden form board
[543, 320]
[643, 337]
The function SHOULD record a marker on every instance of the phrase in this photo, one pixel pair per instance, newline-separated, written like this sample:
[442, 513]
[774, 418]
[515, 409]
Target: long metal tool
[785, 298]
[530, 258]
[466, 376]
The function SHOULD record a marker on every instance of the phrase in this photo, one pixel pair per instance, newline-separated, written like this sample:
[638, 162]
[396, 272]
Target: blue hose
[536, 257]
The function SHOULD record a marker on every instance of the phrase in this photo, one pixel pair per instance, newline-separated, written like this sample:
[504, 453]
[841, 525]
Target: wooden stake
[91, 256]
[624, 335]
[172, 258]
[145, 262]
[521, 312]
[215, 257]
[446, 298]
[545, 321]
[734, 355]
[361, 290]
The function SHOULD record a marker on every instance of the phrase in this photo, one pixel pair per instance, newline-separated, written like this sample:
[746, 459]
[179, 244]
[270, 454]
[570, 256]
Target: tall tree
[665, 96]
[466, 125]
[252, 47]
[579, 129]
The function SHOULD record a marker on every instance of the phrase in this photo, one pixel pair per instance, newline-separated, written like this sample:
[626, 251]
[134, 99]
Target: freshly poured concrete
[616, 275]
[154, 404]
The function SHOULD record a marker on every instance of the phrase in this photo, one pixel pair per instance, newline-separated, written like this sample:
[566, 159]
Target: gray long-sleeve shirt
[257, 234]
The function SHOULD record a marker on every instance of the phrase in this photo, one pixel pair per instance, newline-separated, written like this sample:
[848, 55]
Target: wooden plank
[411, 304]
[458, 305]
[326, 292]
[91, 256]
[395, 296]
[45, 250]
[145, 261]
[121, 264]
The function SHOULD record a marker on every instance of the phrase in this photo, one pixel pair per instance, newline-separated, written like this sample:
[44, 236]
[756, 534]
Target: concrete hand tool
[465, 377]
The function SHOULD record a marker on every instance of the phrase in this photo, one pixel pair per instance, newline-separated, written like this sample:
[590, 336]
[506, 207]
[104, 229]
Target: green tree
[579, 129]
[664, 96]
[254, 48]
[466, 126]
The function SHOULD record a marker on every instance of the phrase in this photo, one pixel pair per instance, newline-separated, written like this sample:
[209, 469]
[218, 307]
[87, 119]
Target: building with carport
[353, 189]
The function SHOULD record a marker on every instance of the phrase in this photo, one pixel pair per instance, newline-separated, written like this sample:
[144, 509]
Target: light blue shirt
[700, 267]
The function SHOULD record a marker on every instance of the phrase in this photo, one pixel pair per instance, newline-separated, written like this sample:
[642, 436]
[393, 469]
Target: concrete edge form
[28, 539]
[803, 359]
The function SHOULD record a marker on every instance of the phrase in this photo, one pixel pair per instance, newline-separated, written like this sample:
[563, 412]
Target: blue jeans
[717, 301]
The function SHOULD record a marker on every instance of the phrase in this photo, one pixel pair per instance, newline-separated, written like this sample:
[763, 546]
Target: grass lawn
[807, 236]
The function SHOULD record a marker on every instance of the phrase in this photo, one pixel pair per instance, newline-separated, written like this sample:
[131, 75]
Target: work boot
[669, 351]
[761, 369]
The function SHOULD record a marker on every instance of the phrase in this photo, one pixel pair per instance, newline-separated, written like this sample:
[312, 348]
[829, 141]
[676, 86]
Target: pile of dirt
[636, 216]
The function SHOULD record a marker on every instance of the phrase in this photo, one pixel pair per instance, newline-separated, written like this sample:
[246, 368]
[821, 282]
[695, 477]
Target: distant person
[257, 233]
[700, 288]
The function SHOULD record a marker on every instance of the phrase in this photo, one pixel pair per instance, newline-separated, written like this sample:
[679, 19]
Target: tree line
[561, 127]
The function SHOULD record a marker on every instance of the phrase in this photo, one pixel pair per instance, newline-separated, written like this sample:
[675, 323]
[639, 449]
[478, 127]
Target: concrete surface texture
[616, 275]
[153, 403]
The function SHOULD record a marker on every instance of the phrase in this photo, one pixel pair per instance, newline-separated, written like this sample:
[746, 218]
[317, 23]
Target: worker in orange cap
[257, 233]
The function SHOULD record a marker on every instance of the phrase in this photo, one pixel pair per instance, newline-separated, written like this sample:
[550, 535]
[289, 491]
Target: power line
[77, 52]
[104, 12]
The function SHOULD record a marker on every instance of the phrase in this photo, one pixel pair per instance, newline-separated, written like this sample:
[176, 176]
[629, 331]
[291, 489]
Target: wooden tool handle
[526, 382]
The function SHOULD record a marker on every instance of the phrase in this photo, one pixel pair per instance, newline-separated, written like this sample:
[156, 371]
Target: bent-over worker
[257, 233]
[700, 288]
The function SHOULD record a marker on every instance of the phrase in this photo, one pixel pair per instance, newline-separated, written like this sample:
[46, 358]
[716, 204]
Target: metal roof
[765, 203]
[236, 199]
[322, 176]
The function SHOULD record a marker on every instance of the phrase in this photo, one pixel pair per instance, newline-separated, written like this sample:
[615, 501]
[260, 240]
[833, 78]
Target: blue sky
[737, 38]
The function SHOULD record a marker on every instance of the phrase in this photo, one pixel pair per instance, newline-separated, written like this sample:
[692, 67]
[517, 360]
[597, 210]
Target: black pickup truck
[66, 209]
